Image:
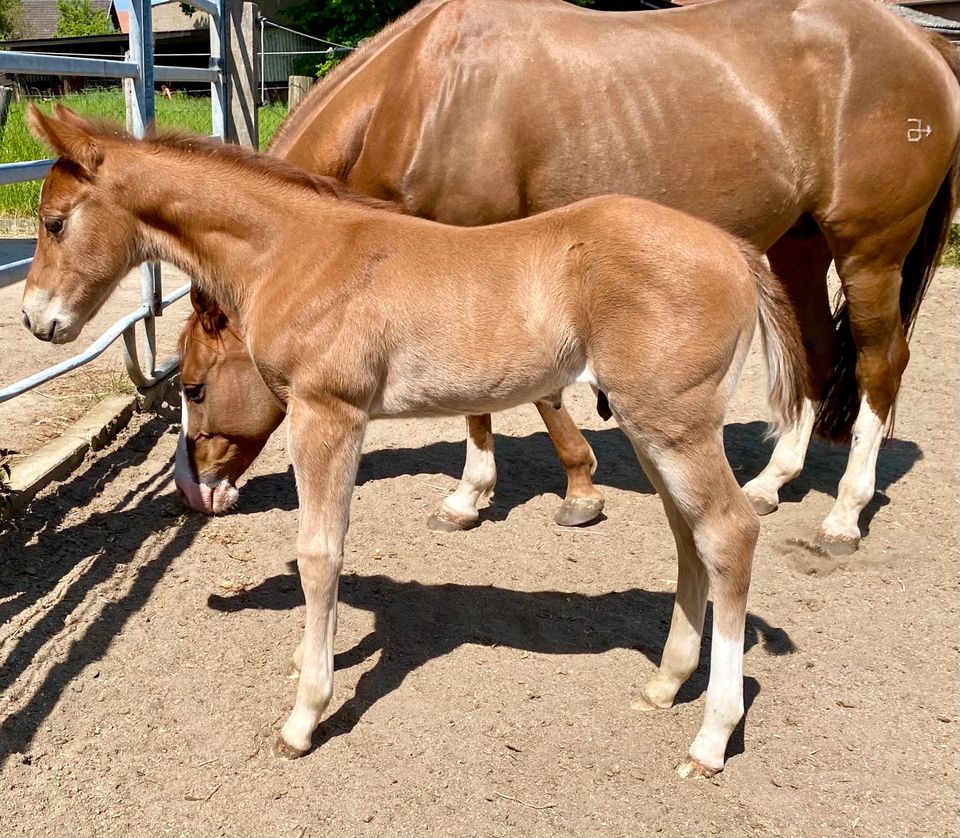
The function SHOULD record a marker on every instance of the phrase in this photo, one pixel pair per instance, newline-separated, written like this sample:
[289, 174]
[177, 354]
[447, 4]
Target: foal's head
[87, 237]
[228, 412]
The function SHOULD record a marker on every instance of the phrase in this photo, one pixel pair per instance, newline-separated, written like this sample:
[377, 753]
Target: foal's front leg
[325, 441]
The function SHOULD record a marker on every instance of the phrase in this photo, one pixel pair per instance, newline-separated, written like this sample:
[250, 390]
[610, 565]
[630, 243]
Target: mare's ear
[211, 316]
[67, 135]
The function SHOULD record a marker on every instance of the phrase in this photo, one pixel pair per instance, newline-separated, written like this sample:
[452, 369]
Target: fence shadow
[528, 467]
[416, 623]
[38, 556]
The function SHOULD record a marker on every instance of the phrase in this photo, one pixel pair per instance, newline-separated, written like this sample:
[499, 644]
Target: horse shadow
[527, 467]
[39, 582]
[416, 623]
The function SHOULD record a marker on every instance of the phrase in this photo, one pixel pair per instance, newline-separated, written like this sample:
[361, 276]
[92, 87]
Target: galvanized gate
[139, 67]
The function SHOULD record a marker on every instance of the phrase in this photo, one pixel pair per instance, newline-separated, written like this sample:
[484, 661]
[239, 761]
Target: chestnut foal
[378, 314]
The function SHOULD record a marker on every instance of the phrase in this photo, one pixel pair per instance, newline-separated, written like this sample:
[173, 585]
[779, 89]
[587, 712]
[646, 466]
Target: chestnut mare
[381, 314]
[815, 129]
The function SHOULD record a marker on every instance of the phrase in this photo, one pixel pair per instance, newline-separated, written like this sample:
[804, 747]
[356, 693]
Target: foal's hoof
[575, 512]
[760, 504]
[837, 546]
[446, 520]
[692, 768]
[283, 750]
[645, 704]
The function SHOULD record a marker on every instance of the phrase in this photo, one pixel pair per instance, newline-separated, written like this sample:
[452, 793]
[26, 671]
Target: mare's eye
[54, 226]
[193, 392]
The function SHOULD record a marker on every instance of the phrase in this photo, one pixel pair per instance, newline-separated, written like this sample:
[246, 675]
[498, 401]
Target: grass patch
[951, 253]
[19, 200]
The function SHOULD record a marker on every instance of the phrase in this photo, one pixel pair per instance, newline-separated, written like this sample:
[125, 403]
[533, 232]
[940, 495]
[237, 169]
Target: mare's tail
[788, 370]
[840, 400]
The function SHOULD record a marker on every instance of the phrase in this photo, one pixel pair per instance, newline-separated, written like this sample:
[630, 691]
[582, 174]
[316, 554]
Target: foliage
[347, 22]
[951, 253]
[79, 18]
[11, 18]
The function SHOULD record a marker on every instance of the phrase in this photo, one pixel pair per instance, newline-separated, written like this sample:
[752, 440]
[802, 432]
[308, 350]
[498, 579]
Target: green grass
[19, 200]
[951, 253]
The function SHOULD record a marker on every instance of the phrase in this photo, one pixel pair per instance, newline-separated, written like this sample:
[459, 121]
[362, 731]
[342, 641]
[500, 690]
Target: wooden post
[297, 88]
[242, 54]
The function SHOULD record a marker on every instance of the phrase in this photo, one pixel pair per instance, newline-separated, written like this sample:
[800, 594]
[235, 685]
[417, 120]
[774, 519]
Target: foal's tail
[788, 370]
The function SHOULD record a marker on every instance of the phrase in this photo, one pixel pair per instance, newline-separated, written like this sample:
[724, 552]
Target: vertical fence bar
[142, 116]
[218, 88]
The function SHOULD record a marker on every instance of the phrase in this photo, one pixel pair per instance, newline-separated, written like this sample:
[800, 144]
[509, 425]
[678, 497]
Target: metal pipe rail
[141, 71]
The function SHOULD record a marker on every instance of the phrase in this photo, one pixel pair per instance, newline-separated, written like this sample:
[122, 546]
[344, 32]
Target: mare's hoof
[446, 520]
[692, 768]
[575, 512]
[283, 750]
[762, 505]
[837, 546]
[645, 704]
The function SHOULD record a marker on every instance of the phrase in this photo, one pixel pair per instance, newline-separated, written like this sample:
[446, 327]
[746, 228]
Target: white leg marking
[724, 703]
[479, 478]
[858, 481]
[786, 462]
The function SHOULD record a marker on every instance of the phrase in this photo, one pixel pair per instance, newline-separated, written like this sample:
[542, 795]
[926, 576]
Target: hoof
[576, 512]
[837, 546]
[293, 672]
[283, 750]
[445, 520]
[692, 768]
[761, 505]
[645, 704]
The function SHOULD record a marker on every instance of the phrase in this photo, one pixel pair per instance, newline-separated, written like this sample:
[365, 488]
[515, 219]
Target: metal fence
[140, 69]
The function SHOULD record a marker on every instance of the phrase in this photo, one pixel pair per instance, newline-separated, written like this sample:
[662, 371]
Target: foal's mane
[254, 163]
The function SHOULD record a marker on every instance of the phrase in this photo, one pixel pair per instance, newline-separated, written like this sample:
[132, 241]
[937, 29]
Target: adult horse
[817, 130]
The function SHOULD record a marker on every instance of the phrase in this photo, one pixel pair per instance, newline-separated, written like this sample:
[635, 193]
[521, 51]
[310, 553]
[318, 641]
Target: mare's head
[87, 239]
[228, 412]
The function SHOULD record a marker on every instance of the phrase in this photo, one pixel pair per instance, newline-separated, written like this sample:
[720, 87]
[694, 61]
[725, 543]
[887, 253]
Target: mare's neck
[225, 227]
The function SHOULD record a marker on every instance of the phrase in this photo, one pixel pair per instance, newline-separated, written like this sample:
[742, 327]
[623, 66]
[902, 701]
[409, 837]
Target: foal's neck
[225, 225]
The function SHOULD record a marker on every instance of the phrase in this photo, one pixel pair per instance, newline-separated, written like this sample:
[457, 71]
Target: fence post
[6, 94]
[297, 88]
[242, 52]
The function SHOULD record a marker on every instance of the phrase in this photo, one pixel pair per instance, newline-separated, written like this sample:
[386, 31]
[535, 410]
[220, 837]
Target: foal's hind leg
[714, 525]
[800, 259]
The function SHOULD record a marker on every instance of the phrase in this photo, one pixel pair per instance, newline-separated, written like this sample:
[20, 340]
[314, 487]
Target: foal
[351, 313]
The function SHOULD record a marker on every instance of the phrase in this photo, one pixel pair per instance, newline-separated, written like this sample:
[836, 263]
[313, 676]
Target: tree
[348, 22]
[11, 15]
[78, 18]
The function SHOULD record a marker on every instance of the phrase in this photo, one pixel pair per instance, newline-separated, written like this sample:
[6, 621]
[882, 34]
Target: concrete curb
[96, 429]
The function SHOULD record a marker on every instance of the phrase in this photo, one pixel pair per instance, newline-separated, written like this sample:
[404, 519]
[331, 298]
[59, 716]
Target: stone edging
[94, 430]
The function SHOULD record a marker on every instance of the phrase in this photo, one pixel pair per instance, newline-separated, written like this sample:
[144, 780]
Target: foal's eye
[193, 392]
[54, 226]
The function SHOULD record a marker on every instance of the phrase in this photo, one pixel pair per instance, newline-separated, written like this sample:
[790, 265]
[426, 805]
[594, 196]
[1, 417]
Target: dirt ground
[484, 679]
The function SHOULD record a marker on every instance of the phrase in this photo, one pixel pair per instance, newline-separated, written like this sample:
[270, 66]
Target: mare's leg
[325, 443]
[800, 259]
[583, 502]
[870, 273]
[714, 525]
[459, 510]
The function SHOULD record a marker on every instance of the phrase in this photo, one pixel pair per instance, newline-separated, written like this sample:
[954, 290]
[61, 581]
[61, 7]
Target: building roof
[40, 17]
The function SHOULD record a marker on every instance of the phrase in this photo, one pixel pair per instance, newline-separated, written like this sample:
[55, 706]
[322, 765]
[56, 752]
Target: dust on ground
[484, 679]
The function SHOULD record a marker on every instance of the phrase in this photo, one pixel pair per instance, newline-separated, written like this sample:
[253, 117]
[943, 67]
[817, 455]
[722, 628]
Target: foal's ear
[67, 135]
[211, 316]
